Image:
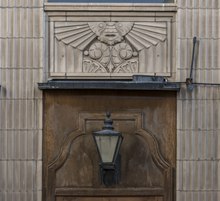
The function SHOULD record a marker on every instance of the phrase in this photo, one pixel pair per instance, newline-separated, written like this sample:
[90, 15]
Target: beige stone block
[3, 145]
[4, 3]
[187, 114]
[90, 14]
[60, 74]
[39, 195]
[19, 83]
[27, 24]
[16, 177]
[215, 50]
[38, 184]
[181, 4]
[9, 21]
[60, 59]
[179, 114]
[3, 173]
[109, 7]
[38, 3]
[29, 57]
[39, 114]
[204, 120]
[180, 196]
[183, 49]
[39, 145]
[56, 14]
[3, 196]
[196, 114]
[188, 4]
[3, 22]
[166, 15]
[30, 172]
[128, 14]
[88, 18]
[57, 19]
[216, 114]
[216, 94]
[31, 145]
[133, 19]
[23, 22]
[19, 114]
[23, 136]
[38, 23]
[215, 4]
[179, 176]
[187, 28]
[190, 176]
[2, 110]
[202, 3]
[9, 178]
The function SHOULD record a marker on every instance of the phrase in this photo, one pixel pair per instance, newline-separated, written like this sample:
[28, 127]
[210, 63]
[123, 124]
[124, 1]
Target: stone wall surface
[198, 120]
[22, 65]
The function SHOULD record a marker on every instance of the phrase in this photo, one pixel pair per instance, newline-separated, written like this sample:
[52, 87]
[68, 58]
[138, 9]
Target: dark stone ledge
[138, 83]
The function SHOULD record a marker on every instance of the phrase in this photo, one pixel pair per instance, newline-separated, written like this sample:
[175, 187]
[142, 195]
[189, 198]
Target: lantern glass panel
[107, 147]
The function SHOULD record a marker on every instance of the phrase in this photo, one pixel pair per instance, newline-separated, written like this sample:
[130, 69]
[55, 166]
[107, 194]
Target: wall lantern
[108, 143]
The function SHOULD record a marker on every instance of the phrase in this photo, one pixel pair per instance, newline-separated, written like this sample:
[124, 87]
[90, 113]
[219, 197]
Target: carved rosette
[111, 47]
[118, 58]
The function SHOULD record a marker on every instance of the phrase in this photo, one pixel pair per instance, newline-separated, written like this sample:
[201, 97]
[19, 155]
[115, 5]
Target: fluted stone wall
[21, 67]
[198, 112]
[22, 63]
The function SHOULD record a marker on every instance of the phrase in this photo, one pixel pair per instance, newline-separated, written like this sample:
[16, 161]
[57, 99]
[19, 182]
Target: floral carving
[111, 47]
[110, 59]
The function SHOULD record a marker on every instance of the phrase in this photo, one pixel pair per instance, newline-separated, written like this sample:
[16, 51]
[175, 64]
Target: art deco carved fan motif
[111, 47]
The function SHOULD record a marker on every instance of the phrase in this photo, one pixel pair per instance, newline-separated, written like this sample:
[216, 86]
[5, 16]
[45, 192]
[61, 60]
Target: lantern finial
[108, 122]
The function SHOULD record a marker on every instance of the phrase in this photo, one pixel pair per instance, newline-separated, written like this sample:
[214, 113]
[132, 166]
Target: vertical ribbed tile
[21, 63]
[198, 111]
[179, 175]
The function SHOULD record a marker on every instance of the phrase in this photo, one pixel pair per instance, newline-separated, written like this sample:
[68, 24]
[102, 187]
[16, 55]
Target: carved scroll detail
[64, 150]
[154, 148]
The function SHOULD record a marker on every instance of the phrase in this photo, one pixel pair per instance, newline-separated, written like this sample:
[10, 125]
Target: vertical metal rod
[193, 55]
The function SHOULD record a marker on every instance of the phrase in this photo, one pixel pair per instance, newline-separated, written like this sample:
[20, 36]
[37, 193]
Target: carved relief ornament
[111, 47]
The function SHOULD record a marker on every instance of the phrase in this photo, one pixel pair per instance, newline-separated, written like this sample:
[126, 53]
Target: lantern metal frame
[109, 171]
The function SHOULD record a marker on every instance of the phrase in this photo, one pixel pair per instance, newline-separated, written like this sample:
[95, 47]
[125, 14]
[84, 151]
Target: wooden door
[147, 121]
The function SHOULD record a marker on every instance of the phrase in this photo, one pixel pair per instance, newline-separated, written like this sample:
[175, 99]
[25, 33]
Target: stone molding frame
[110, 40]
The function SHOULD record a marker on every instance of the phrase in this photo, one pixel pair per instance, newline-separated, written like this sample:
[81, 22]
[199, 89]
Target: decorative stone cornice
[135, 7]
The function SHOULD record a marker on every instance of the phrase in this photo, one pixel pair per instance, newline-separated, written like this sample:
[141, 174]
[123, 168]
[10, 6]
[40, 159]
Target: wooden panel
[147, 122]
[110, 199]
